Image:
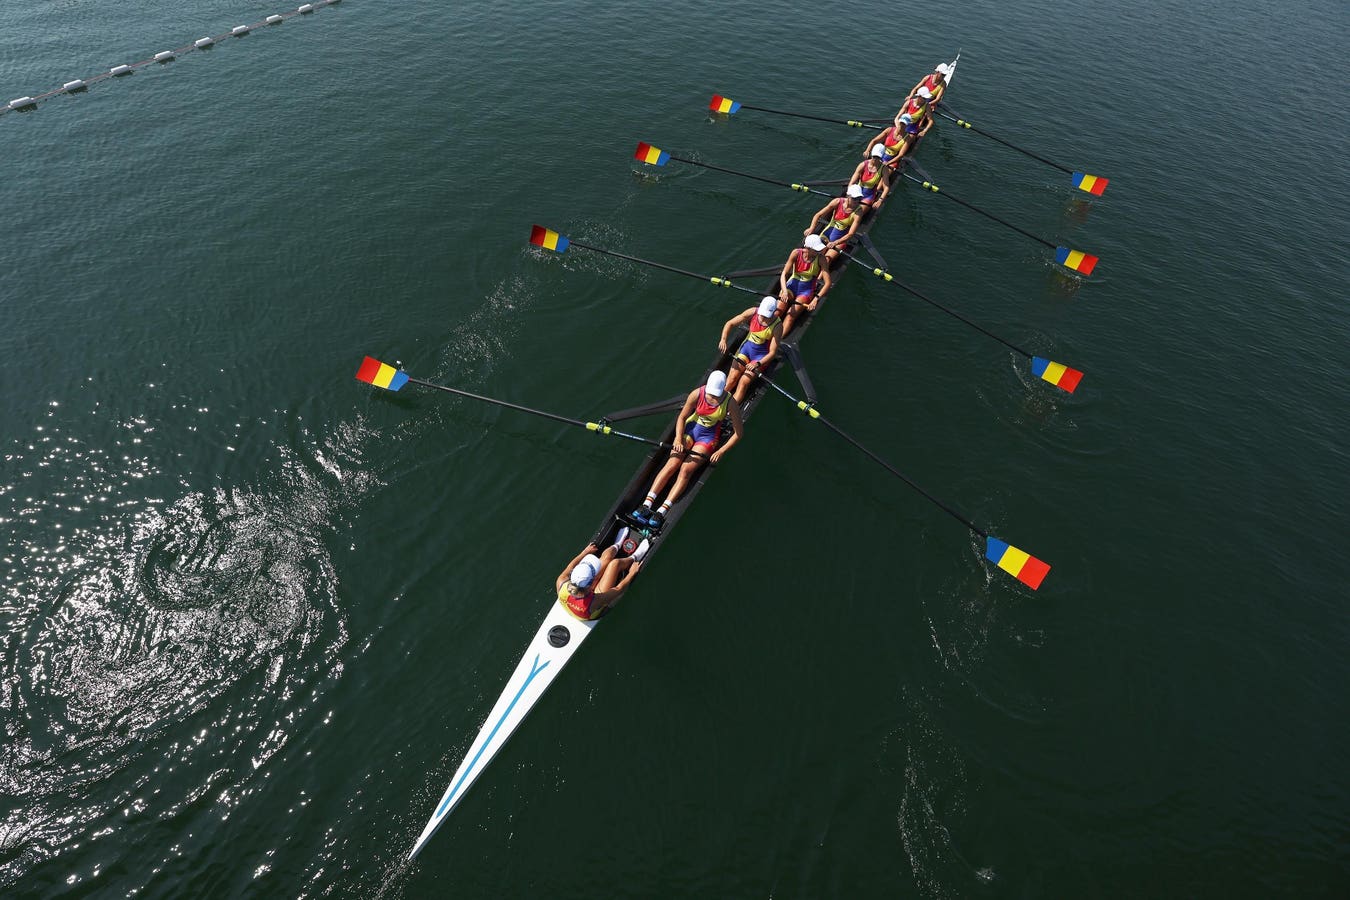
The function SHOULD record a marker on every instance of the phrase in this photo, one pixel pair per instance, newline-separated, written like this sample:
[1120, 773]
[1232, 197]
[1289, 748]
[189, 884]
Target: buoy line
[163, 57]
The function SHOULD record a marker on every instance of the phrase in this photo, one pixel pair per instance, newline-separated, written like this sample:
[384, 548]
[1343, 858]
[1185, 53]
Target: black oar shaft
[712, 279]
[852, 123]
[787, 184]
[943, 111]
[941, 192]
[598, 427]
[815, 414]
[882, 273]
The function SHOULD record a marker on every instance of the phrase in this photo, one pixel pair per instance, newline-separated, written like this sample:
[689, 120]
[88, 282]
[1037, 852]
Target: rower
[590, 585]
[894, 142]
[757, 350]
[700, 426]
[803, 282]
[871, 177]
[843, 218]
[918, 110]
[936, 83]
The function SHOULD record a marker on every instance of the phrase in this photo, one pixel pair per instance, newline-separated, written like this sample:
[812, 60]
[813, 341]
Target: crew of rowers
[594, 581]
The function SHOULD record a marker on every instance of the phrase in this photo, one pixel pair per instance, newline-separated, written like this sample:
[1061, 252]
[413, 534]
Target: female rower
[894, 142]
[844, 215]
[936, 83]
[918, 111]
[700, 427]
[759, 348]
[803, 281]
[591, 585]
[871, 177]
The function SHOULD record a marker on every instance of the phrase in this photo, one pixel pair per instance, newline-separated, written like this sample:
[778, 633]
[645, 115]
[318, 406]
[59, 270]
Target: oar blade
[382, 375]
[1058, 374]
[1092, 184]
[653, 156]
[720, 104]
[548, 239]
[1075, 260]
[1018, 563]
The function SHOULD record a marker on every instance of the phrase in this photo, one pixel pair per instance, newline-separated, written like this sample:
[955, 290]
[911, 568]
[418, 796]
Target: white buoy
[275, 20]
[22, 102]
[76, 85]
[240, 30]
[204, 43]
[120, 70]
[306, 8]
[164, 56]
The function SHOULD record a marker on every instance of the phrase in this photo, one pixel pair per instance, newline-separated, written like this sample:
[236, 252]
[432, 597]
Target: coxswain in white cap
[590, 585]
[759, 348]
[700, 436]
[804, 280]
[842, 216]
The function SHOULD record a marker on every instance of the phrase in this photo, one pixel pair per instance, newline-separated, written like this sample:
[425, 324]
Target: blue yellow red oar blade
[381, 375]
[1018, 563]
[653, 156]
[1092, 184]
[1075, 260]
[548, 239]
[720, 104]
[1058, 374]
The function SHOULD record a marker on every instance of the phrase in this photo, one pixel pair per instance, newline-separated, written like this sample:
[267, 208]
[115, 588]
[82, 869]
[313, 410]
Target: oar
[1092, 184]
[1018, 563]
[551, 240]
[385, 376]
[655, 156]
[720, 104]
[1058, 374]
[1074, 260]
[755, 273]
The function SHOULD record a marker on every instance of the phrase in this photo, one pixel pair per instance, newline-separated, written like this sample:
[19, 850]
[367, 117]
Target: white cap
[943, 69]
[768, 307]
[855, 190]
[878, 151]
[585, 571]
[906, 119]
[717, 383]
[813, 242]
[925, 93]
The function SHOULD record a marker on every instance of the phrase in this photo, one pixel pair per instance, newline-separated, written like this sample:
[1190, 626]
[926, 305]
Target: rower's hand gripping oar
[1058, 374]
[1018, 563]
[1092, 184]
[382, 375]
[1074, 260]
[552, 240]
[655, 156]
[727, 106]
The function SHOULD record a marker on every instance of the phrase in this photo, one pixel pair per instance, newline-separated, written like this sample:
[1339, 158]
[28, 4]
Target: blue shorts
[869, 193]
[705, 439]
[752, 352]
[833, 234]
[801, 288]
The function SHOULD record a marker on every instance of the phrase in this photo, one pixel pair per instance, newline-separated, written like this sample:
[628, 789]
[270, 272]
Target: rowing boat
[561, 633]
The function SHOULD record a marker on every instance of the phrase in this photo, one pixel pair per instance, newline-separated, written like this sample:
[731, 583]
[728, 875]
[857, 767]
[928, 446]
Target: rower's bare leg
[743, 388]
[613, 572]
[734, 376]
[667, 472]
[687, 473]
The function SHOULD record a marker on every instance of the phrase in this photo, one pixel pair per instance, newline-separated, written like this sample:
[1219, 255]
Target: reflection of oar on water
[558, 243]
[1058, 374]
[1018, 563]
[385, 376]
[1092, 184]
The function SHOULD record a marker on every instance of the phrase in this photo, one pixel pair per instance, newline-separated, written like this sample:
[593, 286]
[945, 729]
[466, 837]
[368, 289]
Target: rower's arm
[773, 350]
[734, 409]
[876, 140]
[857, 172]
[732, 323]
[783, 275]
[685, 412]
[816, 218]
[825, 281]
[611, 596]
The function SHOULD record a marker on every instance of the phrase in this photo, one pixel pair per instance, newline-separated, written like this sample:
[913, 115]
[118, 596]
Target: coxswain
[700, 427]
[870, 176]
[894, 142]
[803, 282]
[757, 350]
[842, 215]
[936, 83]
[591, 585]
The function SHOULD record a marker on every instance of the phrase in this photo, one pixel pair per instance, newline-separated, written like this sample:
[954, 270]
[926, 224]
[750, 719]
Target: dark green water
[254, 612]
